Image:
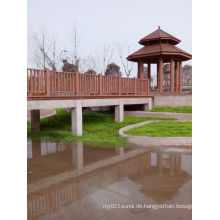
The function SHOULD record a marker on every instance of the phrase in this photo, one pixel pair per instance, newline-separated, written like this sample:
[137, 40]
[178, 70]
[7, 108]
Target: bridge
[49, 89]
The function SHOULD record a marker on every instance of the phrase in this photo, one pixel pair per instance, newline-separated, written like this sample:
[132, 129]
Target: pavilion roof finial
[158, 27]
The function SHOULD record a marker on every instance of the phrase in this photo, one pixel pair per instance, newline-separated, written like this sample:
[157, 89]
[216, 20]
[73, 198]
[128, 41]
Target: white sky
[101, 23]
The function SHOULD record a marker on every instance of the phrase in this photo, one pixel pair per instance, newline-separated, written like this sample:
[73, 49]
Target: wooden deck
[48, 84]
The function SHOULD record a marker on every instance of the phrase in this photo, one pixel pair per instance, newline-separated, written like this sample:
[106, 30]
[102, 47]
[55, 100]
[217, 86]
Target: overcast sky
[101, 23]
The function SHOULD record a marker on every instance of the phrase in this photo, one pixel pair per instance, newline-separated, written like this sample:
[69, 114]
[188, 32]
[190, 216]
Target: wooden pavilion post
[161, 75]
[140, 69]
[149, 75]
[180, 77]
[176, 76]
[171, 75]
[157, 75]
[149, 71]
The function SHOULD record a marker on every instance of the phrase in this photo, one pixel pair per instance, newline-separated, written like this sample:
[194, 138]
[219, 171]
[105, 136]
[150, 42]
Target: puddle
[75, 181]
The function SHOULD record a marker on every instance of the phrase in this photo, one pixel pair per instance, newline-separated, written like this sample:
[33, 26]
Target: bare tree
[45, 50]
[104, 58]
[127, 65]
[76, 46]
[88, 63]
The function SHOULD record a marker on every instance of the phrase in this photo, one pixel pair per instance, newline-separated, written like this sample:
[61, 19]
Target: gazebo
[159, 48]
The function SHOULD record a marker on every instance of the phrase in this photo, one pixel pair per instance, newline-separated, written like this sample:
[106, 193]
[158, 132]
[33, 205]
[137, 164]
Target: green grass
[163, 129]
[174, 109]
[98, 129]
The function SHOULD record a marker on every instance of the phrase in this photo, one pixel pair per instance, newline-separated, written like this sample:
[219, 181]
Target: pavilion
[159, 48]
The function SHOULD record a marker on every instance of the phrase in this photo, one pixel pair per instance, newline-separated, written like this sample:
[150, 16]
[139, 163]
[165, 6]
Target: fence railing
[54, 83]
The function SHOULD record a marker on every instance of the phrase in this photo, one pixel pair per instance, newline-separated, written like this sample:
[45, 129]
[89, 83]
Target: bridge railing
[55, 83]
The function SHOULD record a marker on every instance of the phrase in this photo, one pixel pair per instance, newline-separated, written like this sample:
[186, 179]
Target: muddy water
[75, 181]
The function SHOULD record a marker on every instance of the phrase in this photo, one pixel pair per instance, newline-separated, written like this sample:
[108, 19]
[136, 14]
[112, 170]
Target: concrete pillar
[176, 76]
[147, 107]
[180, 77]
[77, 155]
[119, 113]
[172, 75]
[160, 75]
[140, 69]
[76, 118]
[35, 120]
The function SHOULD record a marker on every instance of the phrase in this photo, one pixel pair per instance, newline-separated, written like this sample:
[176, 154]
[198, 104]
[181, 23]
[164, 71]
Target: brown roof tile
[159, 34]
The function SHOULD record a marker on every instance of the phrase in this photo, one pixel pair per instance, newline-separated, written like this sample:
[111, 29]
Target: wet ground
[75, 181]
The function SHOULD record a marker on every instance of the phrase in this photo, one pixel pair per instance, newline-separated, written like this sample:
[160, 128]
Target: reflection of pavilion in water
[73, 171]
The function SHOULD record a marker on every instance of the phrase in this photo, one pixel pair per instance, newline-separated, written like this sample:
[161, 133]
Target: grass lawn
[163, 129]
[174, 109]
[98, 129]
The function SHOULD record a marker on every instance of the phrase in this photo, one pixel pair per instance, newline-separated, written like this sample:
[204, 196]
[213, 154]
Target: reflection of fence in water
[83, 185]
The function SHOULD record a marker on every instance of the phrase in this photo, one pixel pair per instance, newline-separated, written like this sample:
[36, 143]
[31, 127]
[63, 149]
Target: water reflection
[61, 174]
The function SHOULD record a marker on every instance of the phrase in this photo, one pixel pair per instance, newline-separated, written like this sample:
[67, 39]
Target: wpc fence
[54, 83]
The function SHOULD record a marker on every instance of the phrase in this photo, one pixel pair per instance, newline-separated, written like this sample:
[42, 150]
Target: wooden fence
[54, 83]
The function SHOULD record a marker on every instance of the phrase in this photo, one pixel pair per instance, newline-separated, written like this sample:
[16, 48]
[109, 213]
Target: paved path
[144, 141]
[179, 116]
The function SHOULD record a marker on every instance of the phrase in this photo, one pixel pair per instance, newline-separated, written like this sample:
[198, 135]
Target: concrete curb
[145, 141]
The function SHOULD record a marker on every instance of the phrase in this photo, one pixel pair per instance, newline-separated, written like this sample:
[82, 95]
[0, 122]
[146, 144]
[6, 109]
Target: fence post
[148, 86]
[47, 77]
[135, 86]
[119, 85]
[77, 83]
[100, 84]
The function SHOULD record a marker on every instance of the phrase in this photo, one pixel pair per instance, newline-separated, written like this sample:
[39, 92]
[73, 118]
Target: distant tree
[90, 71]
[166, 74]
[68, 67]
[112, 70]
[145, 72]
[45, 50]
[103, 58]
[187, 75]
[127, 65]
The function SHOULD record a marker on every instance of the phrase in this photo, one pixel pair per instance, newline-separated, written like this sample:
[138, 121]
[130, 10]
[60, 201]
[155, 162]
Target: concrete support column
[180, 77]
[147, 107]
[160, 75]
[140, 69]
[176, 76]
[172, 75]
[77, 155]
[76, 117]
[35, 120]
[119, 113]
